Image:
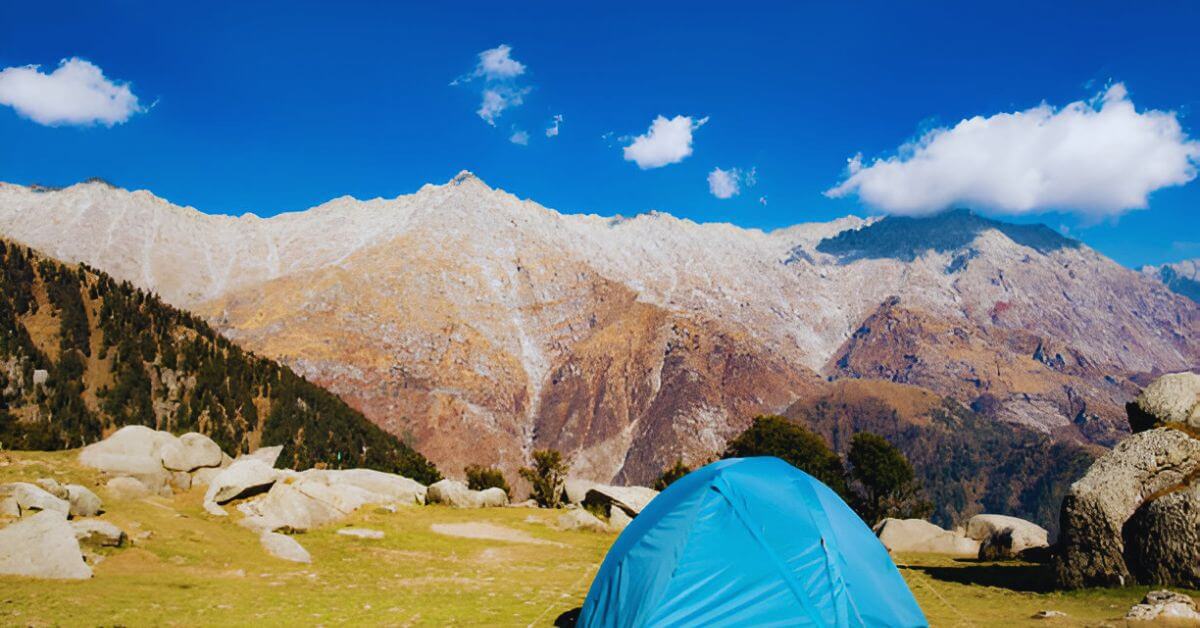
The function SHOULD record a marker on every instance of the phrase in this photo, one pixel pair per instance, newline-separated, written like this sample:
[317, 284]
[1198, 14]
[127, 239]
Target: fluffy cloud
[552, 130]
[497, 72]
[76, 92]
[667, 142]
[1098, 158]
[728, 183]
[519, 137]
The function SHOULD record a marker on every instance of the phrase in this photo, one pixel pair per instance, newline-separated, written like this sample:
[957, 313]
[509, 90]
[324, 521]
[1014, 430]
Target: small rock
[42, 546]
[1048, 615]
[1164, 605]
[284, 547]
[84, 503]
[580, 519]
[361, 533]
[97, 533]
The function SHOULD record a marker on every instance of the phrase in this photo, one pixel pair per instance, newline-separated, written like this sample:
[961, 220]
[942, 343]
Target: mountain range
[480, 326]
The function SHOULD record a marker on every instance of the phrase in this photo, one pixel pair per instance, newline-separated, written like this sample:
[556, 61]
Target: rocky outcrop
[133, 451]
[920, 536]
[1141, 468]
[1002, 537]
[42, 546]
[1162, 540]
[630, 499]
[244, 477]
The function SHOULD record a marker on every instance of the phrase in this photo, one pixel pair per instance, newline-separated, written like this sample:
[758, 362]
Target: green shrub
[481, 478]
[883, 481]
[547, 478]
[670, 474]
[793, 443]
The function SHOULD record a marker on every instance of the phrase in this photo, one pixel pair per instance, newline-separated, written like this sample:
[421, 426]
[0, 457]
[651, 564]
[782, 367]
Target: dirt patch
[487, 532]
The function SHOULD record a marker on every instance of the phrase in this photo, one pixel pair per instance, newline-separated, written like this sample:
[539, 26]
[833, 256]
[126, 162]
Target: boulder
[580, 519]
[920, 536]
[30, 497]
[51, 485]
[1094, 512]
[575, 490]
[8, 506]
[391, 487]
[284, 547]
[1162, 540]
[361, 533]
[268, 455]
[190, 452]
[83, 502]
[618, 520]
[287, 507]
[1002, 537]
[1173, 398]
[205, 475]
[134, 451]
[97, 533]
[455, 493]
[245, 477]
[125, 487]
[42, 546]
[1165, 607]
[631, 499]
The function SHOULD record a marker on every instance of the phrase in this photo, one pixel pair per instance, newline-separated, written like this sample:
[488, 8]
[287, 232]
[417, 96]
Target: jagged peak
[466, 177]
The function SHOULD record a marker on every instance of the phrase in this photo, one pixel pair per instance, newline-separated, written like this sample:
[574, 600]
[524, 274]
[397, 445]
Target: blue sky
[273, 107]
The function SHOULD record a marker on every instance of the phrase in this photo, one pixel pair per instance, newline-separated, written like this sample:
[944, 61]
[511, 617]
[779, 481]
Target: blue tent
[748, 542]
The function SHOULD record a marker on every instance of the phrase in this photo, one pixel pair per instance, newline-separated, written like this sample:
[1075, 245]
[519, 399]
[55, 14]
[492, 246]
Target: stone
[83, 502]
[30, 497]
[42, 546]
[631, 499]
[455, 493]
[361, 533]
[618, 520]
[287, 507]
[1003, 537]
[1095, 509]
[1048, 614]
[394, 488]
[192, 451]
[8, 506]
[98, 533]
[575, 490]
[180, 481]
[125, 487]
[284, 547]
[1162, 540]
[205, 475]
[920, 536]
[50, 485]
[40, 377]
[243, 478]
[580, 519]
[1165, 607]
[134, 451]
[269, 455]
[1173, 398]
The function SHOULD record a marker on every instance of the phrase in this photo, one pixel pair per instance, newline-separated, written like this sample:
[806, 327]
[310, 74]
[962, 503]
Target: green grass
[194, 569]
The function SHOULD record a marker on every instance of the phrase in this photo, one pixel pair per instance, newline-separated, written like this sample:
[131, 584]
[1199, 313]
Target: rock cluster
[1165, 607]
[989, 537]
[157, 461]
[42, 543]
[1135, 515]
[455, 493]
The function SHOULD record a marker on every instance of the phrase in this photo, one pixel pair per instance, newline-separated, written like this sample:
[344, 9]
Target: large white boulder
[1002, 536]
[190, 452]
[133, 451]
[284, 547]
[246, 476]
[42, 546]
[125, 487]
[920, 536]
[1173, 398]
[575, 490]
[30, 497]
[269, 455]
[455, 493]
[390, 487]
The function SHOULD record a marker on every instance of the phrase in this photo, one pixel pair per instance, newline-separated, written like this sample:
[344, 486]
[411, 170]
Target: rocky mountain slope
[1181, 277]
[82, 354]
[482, 326]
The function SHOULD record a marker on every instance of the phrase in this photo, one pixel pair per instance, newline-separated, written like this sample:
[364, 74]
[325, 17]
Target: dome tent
[748, 541]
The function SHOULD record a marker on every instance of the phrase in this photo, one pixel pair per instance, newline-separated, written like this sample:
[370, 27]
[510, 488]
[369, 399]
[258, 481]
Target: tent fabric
[748, 542]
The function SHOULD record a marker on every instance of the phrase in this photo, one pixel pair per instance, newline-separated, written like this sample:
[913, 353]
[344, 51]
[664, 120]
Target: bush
[670, 474]
[883, 481]
[548, 478]
[480, 478]
[776, 436]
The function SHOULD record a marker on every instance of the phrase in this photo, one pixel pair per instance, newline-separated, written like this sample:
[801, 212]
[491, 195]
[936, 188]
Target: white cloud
[666, 142]
[728, 183]
[762, 200]
[1098, 158]
[519, 137]
[497, 71]
[76, 92]
[552, 130]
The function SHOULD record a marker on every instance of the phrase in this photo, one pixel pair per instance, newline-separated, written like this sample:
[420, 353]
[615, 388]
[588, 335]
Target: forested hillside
[81, 354]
